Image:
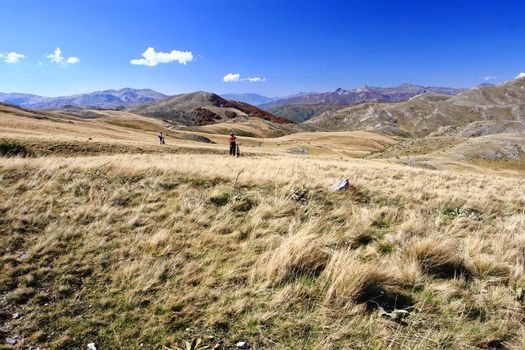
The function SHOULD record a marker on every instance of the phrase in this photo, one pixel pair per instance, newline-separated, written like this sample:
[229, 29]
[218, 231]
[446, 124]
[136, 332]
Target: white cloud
[231, 77]
[521, 75]
[490, 77]
[256, 79]
[152, 58]
[72, 60]
[56, 57]
[11, 57]
[236, 77]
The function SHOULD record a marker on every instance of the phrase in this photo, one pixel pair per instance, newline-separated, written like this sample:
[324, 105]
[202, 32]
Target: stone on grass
[340, 185]
[242, 345]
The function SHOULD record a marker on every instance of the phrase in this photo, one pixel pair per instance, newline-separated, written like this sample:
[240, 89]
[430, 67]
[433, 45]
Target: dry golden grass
[143, 248]
[115, 132]
[296, 255]
[130, 249]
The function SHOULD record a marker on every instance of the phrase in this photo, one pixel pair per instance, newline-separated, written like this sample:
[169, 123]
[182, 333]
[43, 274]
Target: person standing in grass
[233, 144]
[161, 138]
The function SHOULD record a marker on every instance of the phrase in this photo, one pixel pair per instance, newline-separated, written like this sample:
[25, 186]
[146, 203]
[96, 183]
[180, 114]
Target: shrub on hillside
[12, 149]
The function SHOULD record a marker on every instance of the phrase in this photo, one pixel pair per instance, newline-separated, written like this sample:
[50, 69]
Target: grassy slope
[123, 132]
[128, 250]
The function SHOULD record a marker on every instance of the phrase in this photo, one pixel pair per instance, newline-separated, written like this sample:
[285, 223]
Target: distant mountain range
[363, 94]
[257, 100]
[324, 101]
[253, 99]
[99, 99]
[480, 111]
[296, 108]
[306, 105]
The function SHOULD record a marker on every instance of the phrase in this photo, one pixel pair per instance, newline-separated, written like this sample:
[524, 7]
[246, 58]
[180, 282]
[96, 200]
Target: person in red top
[233, 145]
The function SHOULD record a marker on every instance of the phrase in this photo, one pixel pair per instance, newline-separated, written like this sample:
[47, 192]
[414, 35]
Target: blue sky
[291, 46]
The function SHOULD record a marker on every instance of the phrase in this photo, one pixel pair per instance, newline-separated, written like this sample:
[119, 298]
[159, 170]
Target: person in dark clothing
[161, 138]
[233, 144]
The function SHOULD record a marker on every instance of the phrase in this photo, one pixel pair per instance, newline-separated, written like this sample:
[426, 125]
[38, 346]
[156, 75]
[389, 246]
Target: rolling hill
[484, 125]
[302, 112]
[202, 108]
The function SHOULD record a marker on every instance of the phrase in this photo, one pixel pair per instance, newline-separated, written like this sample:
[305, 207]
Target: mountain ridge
[300, 108]
[421, 115]
[364, 94]
[109, 99]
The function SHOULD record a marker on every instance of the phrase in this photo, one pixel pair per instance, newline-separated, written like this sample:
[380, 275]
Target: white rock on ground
[340, 186]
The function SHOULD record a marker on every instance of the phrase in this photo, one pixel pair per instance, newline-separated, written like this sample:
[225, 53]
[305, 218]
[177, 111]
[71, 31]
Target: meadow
[139, 250]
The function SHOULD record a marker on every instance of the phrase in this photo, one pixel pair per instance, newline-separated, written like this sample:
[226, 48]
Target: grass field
[133, 246]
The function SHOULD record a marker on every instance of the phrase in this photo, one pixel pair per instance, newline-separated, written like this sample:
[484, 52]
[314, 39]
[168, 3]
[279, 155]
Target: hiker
[161, 138]
[233, 144]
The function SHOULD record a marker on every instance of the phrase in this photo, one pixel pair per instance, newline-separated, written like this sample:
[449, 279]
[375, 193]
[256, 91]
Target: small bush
[13, 149]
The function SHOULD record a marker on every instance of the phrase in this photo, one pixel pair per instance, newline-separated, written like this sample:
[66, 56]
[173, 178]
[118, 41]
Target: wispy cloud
[490, 77]
[11, 57]
[236, 77]
[56, 57]
[151, 58]
[521, 75]
[256, 79]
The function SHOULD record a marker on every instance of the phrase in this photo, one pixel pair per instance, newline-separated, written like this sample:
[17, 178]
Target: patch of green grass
[454, 212]
[375, 233]
[13, 149]
[220, 200]
[381, 223]
[385, 247]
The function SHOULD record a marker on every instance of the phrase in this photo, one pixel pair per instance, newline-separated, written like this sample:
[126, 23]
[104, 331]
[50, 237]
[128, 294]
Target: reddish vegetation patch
[252, 111]
[230, 114]
[204, 116]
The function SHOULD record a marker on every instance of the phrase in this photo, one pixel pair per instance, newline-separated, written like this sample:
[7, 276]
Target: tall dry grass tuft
[300, 254]
[353, 281]
[410, 273]
[486, 268]
[437, 258]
